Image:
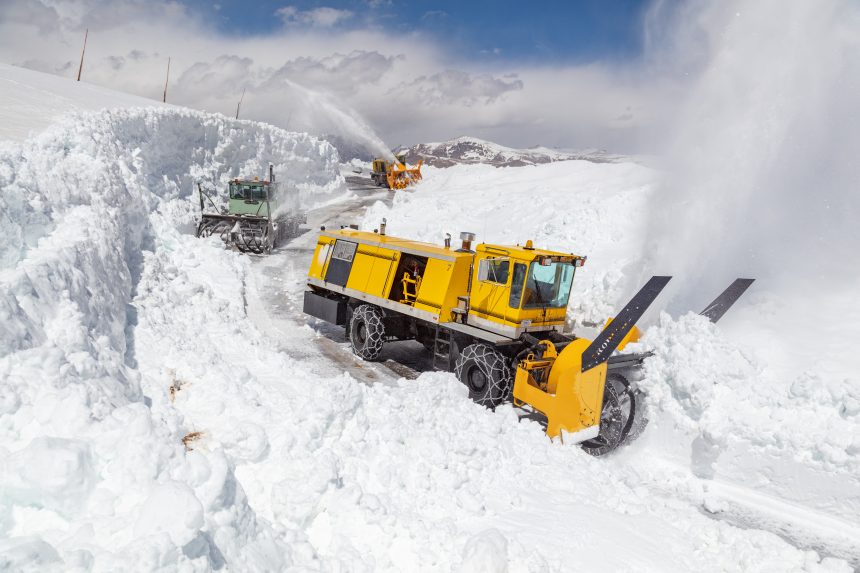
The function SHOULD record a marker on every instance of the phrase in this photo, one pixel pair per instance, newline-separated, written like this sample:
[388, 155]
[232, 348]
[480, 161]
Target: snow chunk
[172, 508]
[485, 552]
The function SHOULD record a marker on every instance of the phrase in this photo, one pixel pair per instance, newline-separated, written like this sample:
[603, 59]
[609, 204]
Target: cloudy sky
[576, 74]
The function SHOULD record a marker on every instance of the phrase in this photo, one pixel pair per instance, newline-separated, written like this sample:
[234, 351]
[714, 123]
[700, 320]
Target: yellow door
[489, 296]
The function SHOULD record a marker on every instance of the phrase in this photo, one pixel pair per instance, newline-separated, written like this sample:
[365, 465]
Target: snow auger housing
[395, 174]
[256, 217]
[494, 316]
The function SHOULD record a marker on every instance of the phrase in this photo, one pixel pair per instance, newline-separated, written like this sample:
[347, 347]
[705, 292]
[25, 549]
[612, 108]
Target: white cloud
[407, 87]
[322, 17]
[459, 87]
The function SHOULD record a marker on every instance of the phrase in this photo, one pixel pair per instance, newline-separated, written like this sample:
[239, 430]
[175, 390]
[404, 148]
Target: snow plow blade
[727, 298]
[400, 176]
[571, 387]
[246, 234]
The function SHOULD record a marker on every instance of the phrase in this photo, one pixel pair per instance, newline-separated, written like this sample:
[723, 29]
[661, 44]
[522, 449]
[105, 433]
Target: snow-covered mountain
[471, 150]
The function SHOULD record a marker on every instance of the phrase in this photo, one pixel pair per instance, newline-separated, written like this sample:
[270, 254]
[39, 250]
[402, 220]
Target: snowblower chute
[494, 316]
[256, 217]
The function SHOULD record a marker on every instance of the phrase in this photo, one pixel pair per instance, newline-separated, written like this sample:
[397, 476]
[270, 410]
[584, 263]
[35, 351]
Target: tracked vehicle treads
[256, 218]
[494, 316]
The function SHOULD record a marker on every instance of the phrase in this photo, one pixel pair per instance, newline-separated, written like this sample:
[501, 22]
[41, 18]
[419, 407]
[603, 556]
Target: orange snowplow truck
[395, 174]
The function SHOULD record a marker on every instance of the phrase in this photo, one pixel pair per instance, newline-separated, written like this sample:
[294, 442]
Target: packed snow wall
[78, 443]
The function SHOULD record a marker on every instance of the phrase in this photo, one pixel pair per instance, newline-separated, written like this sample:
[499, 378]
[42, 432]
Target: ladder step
[442, 349]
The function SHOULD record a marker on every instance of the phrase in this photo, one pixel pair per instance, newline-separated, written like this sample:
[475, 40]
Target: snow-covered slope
[470, 150]
[32, 101]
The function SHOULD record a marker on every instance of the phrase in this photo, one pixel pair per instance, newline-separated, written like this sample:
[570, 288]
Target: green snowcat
[257, 217]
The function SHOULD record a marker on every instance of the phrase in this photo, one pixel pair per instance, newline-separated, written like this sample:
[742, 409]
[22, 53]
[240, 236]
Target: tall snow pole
[81, 67]
[166, 79]
[238, 105]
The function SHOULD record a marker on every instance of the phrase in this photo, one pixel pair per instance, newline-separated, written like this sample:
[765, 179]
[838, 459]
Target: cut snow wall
[76, 204]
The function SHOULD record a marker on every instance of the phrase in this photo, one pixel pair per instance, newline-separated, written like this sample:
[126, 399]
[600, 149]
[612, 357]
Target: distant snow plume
[762, 160]
[317, 112]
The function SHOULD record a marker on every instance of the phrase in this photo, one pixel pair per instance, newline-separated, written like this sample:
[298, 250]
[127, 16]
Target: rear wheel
[622, 409]
[366, 332]
[486, 373]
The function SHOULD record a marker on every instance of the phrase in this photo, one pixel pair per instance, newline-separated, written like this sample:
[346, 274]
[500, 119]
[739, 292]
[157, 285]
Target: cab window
[494, 270]
[248, 192]
[548, 285]
[517, 285]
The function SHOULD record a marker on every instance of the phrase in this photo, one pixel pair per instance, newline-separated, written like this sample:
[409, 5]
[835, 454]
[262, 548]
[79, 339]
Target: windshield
[248, 191]
[548, 285]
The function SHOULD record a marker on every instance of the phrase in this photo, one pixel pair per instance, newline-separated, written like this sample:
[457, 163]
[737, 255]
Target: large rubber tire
[486, 373]
[621, 407]
[366, 332]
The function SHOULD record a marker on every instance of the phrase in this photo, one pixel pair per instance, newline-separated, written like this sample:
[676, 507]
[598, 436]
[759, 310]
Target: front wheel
[486, 373]
[620, 417]
[366, 332]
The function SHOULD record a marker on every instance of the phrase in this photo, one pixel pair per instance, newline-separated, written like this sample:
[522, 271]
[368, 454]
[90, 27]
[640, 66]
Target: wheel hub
[477, 379]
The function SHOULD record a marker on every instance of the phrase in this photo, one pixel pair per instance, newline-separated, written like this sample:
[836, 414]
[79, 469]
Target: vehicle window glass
[344, 250]
[497, 270]
[548, 285]
[517, 285]
[249, 192]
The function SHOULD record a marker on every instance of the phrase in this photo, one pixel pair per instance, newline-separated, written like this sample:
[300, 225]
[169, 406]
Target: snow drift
[720, 412]
[82, 453]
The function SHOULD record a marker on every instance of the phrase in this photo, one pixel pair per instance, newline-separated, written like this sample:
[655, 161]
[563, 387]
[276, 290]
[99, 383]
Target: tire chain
[374, 329]
[488, 360]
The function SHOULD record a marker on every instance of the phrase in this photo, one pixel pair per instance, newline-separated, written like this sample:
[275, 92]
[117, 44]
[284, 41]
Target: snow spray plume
[318, 112]
[762, 161]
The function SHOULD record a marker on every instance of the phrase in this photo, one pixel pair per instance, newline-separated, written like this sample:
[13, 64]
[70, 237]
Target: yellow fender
[573, 400]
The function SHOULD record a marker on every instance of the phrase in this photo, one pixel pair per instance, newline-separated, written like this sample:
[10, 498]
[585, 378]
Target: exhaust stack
[467, 239]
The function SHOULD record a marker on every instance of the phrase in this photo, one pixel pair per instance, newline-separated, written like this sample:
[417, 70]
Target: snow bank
[33, 101]
[723, 409]
[109, 478]
[409, 477]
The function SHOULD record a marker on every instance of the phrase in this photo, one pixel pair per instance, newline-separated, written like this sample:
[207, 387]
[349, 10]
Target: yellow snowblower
[395, 174]
[495, 316]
